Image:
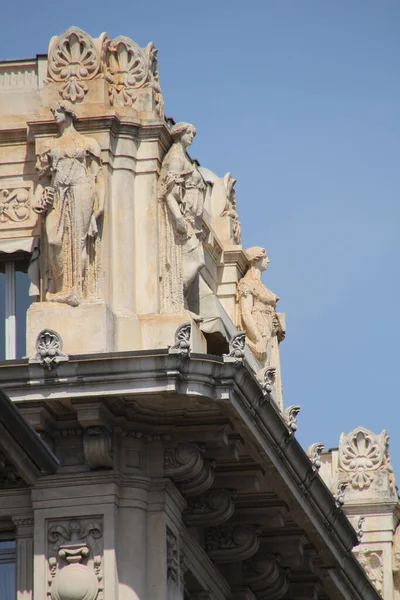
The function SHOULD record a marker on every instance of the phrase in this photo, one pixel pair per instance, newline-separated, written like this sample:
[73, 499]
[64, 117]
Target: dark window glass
[7, 569]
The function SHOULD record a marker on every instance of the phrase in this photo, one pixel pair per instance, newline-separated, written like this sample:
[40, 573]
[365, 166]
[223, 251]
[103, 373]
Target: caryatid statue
[70, 195]
[258, 317]
[181, 193]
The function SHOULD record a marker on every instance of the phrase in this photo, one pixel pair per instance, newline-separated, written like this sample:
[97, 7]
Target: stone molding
[212, 509]
[97, 447]
[232, 544]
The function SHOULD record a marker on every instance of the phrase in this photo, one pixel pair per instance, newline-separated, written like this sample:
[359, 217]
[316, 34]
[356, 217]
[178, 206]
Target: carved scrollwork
[290, 415]
[339, 492]
[314, 452]
[265, 576]
[73, 59]
[187, 467]
[361, 455]
[232, 544]
[236, 348]
[182, 340]
[97, 447]
[14, 205]
[214, 508]
[49, 349]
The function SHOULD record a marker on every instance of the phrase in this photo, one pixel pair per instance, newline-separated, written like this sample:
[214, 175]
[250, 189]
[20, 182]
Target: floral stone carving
[361, 455]
[75, 550]
[128, 68]
[181, 191]
[70, 196]
[172, 556]
[182, 340]
[73, 59]
[372, 563]
[49, 349]
[236, 348]
[14, 205]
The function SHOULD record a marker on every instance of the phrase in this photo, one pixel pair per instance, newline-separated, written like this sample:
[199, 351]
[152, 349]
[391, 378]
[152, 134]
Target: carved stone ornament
[187, 467]
[9, 476]
[214, 508]
[361, 455]
[339, 492]
[49, 349]
[265, 576]
[73, 59]
[314, 452]
[14, 205]
[97, 447]
[75, 560]
[290, 415]
[172, 557]
[127, 68]
[232, 544]
[182, 340]
[360, 528]
[236, 348]
[372, 563]
[181, 193]
[70, 197]
[266, 378]
[230, 207]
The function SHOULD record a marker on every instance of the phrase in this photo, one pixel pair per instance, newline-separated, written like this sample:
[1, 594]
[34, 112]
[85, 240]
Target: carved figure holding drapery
[70, 196]
[181, 193]
[258, 316]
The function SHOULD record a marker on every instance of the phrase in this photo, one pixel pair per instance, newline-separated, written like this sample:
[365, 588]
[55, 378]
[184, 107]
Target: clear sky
[300, 100]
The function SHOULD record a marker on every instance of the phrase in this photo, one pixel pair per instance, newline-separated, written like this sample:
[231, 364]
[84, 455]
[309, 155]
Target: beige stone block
[83, 329]
[158, 331]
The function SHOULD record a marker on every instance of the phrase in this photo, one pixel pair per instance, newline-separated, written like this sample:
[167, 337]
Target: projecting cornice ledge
[147, 373]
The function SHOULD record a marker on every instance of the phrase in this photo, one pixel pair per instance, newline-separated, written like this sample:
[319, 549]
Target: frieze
[15, 205]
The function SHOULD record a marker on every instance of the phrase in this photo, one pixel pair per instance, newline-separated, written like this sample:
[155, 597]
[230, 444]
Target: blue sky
[300, 100]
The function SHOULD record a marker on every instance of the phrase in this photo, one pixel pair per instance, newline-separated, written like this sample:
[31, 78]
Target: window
[14, 302]
[7, 567]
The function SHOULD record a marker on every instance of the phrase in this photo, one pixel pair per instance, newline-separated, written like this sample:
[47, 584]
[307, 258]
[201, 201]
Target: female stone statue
[257, 305]
[181, 193]
[70, 196]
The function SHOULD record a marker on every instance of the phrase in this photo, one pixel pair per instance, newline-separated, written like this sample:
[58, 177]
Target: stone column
[24, 530]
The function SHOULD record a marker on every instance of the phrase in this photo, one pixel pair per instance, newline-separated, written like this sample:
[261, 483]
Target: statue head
[184, 133]
[257, 256]
[62, 110]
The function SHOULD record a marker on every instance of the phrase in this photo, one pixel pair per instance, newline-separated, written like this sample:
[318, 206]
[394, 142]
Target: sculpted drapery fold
[258, 316]
[70, 197]
[181, 192]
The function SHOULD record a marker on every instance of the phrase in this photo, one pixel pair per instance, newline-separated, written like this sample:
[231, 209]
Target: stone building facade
[146, 452]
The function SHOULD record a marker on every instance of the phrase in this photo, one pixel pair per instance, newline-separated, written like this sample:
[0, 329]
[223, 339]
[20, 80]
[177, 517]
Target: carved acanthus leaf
[14, 205]
[182, 340]
[49, 349]
[265, 576]
[339, 492]
[232, 544]
[236, 348]
[172, 556]
[212, 509]
[187, 467]
[314, 453]
[290, 415]
[73, 59]
[361, 454]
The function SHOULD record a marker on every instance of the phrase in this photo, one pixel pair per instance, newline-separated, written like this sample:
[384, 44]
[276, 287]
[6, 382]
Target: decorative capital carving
[97, 447]
[73, 59]
[314, 453]
[75, 556]
[236, 348]
[214, 508]
[189, 470]
[290, 415]
[265, 576]
[232, 544]
[182, 340]
[49, 349]
[361, 455]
